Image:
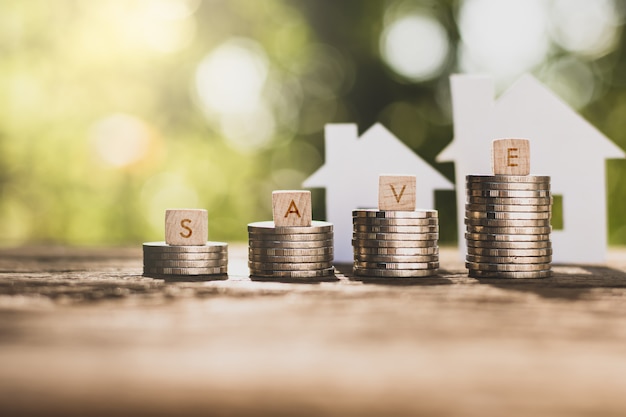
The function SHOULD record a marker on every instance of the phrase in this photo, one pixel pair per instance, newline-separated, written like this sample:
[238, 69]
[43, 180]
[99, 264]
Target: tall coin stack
[395, 241]
[507, 218]
[293, 246]
[186, 251]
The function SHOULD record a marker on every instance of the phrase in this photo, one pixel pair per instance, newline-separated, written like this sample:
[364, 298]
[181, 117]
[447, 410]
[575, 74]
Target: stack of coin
[395, 244]
[290, 252]
[159, 258]
[507, 220]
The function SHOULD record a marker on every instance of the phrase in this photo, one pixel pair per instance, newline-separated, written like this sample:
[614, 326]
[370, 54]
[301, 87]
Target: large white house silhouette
[563, 145]
[350, 176]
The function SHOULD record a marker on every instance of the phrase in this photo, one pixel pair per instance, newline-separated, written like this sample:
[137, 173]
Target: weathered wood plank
[83, 333]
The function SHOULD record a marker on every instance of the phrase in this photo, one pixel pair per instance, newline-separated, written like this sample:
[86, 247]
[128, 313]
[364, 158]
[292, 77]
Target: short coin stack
[159, 258]
[395, 244]
[290, 252]
[508, 228]
[185, 251]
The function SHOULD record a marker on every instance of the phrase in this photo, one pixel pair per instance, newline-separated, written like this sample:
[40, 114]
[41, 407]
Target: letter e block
[186, 227]
[396, 192]
[511, 157]
[291, 208]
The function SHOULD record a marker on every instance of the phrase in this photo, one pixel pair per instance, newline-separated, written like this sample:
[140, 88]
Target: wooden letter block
[291, 208]
[511, 157]
[396, 192]
[186, 227]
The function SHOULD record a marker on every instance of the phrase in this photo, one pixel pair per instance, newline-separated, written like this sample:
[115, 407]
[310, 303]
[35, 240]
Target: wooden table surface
[83, 333]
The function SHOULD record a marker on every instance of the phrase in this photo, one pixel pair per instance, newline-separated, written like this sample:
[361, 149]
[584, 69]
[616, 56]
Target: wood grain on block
[291, 208]
[396, 192]
[510, 157]
[186, 227]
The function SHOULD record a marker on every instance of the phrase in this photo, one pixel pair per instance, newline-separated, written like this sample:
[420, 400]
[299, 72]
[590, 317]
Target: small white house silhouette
[350, 176]
[562, 145]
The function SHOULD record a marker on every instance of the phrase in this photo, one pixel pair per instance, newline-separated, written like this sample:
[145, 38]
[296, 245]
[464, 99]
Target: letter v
[393, 190]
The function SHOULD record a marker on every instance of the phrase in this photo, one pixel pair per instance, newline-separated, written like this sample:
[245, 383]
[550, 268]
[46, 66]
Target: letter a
[292, 209]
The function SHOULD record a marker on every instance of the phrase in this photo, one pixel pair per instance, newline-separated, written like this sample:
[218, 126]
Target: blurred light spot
[586, 27]
[230, 79]
[572, 80]
[168, 37]
[328, 72]
[121, 139]
[288, 179]
[170, 9]
[230, 83]
[315, 114]
[415, 47]
[248, 130]
[503, 37]
[165, 191]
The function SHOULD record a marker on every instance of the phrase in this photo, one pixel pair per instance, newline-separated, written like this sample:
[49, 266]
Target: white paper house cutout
[350, 176]
[563, 145]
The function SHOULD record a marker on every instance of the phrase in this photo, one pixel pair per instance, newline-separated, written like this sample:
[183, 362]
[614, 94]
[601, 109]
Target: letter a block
[511, 157]
[291, 208]
[186, 227]
[396, 192]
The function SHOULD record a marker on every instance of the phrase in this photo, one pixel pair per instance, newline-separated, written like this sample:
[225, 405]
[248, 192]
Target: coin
[421, 214]
[506, 237]
[509, 259]
[186, 271]
[326, 272]
[295, 237]
[269, 227]
[508, 207]
[396, 265]
[396, 258]
[212, 263]
[395, 236]
[539, 201]
[521, 186]
[290, 252]
[293, 259]
[395, 273]
[396, 229]
[507, 178]
[432, 250]
[182, 256]
[277, 266]
[291, 245]
[508, 274]
[394, 243]
[164, 247]
[508, 222]
[539, 244]
[507, 267]
[508, 215]
[375, 221]
[509, 230]
[508, 252]
[508, 193]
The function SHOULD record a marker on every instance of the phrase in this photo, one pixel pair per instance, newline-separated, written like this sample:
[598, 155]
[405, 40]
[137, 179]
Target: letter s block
[291, 208]
[186, 227]
[511, 157]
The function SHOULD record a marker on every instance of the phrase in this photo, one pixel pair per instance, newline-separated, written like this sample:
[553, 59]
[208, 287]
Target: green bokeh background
[67, 66]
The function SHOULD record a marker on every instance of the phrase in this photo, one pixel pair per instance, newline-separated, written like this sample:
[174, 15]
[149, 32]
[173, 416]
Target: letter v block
[396, 192]
[291, 208]
[510, 157]
[186, 227]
